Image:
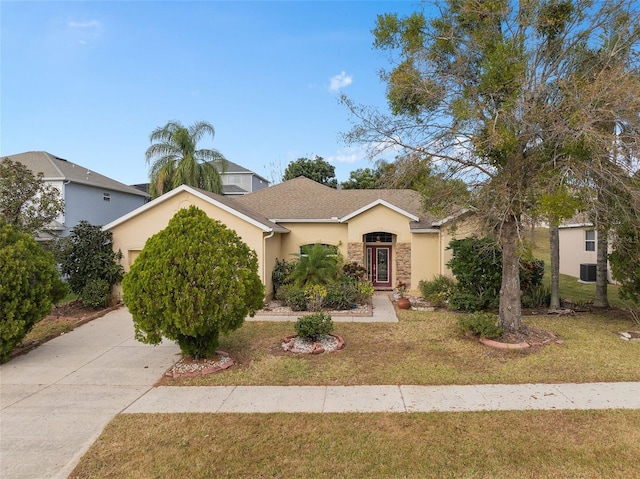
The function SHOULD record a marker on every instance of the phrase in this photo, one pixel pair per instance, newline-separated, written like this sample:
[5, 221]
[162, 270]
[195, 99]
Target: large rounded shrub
[29, 284]
[192, 281]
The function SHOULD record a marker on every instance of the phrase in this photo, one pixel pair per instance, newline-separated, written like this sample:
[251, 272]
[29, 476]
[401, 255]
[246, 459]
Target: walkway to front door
[379, 265]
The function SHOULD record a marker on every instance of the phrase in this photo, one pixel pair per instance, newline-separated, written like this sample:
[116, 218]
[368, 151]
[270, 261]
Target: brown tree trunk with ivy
[510, 306]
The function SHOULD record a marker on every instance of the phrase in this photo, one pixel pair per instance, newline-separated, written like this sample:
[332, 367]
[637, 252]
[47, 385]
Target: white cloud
[350, 154]
[340, 81]
[89, 24]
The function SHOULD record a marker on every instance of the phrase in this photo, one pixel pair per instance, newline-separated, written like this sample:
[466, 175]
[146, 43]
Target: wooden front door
[379, 266]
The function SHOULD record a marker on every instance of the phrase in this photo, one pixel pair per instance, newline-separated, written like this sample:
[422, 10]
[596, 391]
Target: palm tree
[175, 159]
[317, 264]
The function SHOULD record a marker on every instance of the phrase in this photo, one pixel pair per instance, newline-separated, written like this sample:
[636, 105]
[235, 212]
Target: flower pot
[403, 303]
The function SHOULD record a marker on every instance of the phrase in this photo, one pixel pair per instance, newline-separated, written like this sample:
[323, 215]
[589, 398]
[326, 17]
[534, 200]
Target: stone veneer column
[403, 263]
[355, 253]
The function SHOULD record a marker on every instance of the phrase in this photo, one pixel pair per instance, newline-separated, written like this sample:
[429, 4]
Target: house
[578, 249]
[384, 230]
[237, 180]
[87, 195]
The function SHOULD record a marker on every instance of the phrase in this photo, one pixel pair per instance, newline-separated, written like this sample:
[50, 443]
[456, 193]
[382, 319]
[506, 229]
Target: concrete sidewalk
[400, 399]
[56, 400]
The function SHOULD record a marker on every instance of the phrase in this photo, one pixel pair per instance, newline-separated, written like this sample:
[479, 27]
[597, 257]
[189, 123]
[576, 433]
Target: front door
[379, 266]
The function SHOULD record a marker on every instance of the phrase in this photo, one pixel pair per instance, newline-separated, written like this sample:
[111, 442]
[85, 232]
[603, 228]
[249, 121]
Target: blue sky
[88, 81]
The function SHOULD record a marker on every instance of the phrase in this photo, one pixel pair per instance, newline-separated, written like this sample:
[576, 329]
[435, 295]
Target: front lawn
[496, 445]
[425, 348]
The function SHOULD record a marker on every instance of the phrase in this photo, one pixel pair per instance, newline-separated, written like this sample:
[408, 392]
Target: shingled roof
[54, 168]
[303, 199]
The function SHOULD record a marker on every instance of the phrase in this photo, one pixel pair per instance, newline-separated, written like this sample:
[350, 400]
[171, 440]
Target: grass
[522, 444]
[425, 348]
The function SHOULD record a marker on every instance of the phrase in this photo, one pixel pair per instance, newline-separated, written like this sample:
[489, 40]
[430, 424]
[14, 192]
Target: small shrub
[365, 291]
[96, 293]
[437, 300]
[355, 270]
[484, 325]
[281, 274]
[315, 295]
[469, 302]
[342, 294]
[292, 296]
[538, 296]
[314, 326]
[439, 284]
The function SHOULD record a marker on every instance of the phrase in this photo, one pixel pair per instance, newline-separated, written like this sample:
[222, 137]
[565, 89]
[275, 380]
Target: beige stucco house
[384, 230]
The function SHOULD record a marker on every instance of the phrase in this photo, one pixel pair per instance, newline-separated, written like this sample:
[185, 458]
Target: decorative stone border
[316, 348]
[208, 368]
[523, 345]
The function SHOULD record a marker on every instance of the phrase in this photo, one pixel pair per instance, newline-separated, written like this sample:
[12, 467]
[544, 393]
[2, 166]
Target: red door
[379, 266]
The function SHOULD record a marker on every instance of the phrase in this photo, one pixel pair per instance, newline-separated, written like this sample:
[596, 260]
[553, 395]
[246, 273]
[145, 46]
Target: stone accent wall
[355, 253]
[403, 263]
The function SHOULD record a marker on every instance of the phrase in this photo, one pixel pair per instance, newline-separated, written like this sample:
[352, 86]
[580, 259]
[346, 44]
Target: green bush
[365, 291]
[438, 290]
[342, 294]
[192, 281]
[484, 325]
[354, 270]
[89, 256]
[281, 274]
[29, 284]
[318, 265]
[469, 301]
[96, 293]
[538, 296]
[292, 296]
[315, 295]
[314, 326]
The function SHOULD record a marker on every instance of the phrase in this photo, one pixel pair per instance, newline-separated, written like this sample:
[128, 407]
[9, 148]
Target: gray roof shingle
[54, 168]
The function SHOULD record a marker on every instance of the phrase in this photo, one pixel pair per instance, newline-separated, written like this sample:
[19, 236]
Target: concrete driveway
[56, 400]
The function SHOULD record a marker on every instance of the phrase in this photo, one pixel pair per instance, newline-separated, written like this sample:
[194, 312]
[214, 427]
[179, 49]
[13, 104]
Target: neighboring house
[237, 180]
[578, 250]
[384, 230]
[87, 195]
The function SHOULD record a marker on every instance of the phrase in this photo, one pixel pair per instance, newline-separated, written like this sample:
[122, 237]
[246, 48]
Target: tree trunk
[510, 306]
[602, 251]
[554, 246]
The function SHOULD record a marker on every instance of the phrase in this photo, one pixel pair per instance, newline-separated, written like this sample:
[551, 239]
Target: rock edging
[316, 348]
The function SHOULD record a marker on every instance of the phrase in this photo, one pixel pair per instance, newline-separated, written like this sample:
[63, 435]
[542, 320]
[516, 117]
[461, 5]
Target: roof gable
[225, 204]
[302, 199]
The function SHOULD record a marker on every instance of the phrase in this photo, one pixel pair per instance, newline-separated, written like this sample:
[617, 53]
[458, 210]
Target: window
[106, 197]
[590, 240]
[306, 247]
[379, 237]
[235, 179]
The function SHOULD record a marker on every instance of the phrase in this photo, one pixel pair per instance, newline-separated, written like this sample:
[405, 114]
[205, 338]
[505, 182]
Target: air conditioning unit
[588, 273]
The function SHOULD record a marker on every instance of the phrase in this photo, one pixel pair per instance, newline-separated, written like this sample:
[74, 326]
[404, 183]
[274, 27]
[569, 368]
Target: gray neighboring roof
[305, 199]
[234, 168]
[233, 190]
[54, 168]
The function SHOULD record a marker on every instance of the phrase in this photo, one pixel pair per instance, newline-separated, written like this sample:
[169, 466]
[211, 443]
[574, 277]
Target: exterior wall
[273, 250]
[83, 202]
[257, 183]
[245, 180]
[425, 258]
[355, 253]
[573, 251]
[131, 236]
[310, 233]
[59, 185]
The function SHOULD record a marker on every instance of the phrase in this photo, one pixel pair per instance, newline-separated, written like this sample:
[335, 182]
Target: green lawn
[496, 445]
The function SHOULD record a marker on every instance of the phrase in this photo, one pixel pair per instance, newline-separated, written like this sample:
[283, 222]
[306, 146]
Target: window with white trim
[106, 196]
[333, 250]
[590, 240]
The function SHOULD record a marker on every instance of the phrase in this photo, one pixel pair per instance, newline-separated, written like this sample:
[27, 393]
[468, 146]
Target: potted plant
[401, 291]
